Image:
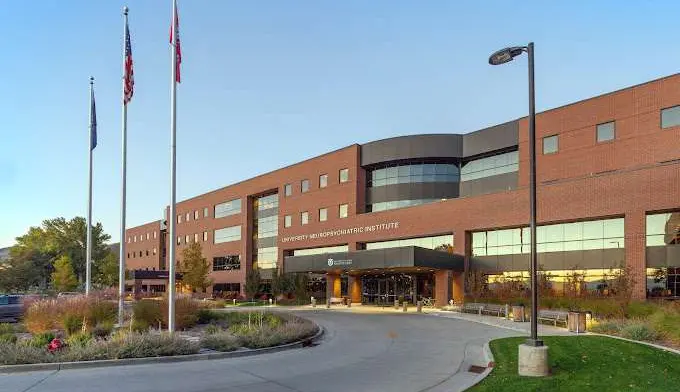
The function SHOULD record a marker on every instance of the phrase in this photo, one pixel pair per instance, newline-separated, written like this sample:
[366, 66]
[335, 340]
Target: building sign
[335, 263]
[343, 232]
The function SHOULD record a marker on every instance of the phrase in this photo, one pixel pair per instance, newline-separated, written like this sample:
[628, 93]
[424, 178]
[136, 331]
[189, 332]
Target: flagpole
[88, 256]
[123, 172]
[171, 216]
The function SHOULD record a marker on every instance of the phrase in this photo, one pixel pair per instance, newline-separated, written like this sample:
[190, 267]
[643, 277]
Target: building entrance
[384, 289]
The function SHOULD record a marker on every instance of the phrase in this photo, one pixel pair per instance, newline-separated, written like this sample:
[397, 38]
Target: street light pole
[532, 363]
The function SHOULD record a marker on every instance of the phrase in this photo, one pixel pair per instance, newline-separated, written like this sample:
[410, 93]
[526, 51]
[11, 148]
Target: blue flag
[93, 122]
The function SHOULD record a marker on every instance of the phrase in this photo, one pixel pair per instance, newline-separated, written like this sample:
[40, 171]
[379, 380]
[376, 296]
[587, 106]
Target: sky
[269, 83]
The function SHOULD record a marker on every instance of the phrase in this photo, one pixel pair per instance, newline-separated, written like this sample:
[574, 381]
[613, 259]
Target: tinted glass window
[670, 117]
[231, 207]
[227, 234]
[550, 144]
[606, 131]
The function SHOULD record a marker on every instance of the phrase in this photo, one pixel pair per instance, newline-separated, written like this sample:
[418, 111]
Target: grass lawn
[586, 363]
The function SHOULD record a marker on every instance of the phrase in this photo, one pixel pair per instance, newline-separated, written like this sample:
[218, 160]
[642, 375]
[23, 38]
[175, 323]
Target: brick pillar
[635, 222]
[332, 285]
[354, 288]
[457, 286]
[442, 283]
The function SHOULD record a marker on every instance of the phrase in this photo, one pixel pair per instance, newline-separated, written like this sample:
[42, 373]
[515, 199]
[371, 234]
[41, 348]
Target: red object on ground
[55, 345]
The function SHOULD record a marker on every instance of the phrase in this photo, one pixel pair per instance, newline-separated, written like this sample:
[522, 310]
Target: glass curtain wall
[265, 231]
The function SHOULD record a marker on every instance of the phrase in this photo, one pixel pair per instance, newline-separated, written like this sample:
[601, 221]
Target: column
[442, 283]
[354, 283]
[635, 242]
[457, 287]
[332, 286]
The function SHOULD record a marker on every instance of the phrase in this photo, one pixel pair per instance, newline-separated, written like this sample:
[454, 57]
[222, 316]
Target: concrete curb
[454, 316]
[4, 369]
[657, 346]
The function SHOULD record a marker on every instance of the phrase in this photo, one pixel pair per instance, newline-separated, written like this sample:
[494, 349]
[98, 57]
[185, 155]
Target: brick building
[364, 221]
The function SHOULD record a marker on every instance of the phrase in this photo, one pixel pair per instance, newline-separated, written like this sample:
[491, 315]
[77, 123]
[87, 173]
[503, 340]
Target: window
[141, 237]
[344, 175]
[550, 145]
[343, 210]
[266, 202]
[179, 240]
[322, 250]
[323, 180]
[304, 218]
[562, 237]
[606, 131]
[179, 218]
[205, 212]
[663, 229]
[188, 216]
[233, 288]
[147, 252]
[267, 227]
[670, 117]
[228, 208]
[196, 237]
[135, 238]
[196, 215]
[227, 234]
[423, 242]
[205, 236]
[128, 255]
[266, 258]
[129, 239]
[154, 235]
[147, 236]
[304, 186]
[154, 251]
[186, 239]
[489, 166]
[228, 263]
[134, 254]
[287, 189]
[414, 172]
[287, 221]
[323, 214]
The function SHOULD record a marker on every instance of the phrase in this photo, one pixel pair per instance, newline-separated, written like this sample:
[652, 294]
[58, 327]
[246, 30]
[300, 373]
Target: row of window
[187, 238]
[670, 117]
[490, 166]
[227, 263]
[141, 253]
[141, 237]
[196, 214]
[343, 176]
[343, 212]
[321, 250]
[561, 237]
[390, 205]
[413, 172]
[663, 229]
[431, 242]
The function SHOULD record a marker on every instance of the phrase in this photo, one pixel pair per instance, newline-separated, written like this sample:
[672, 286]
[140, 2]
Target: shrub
[40, 340]
[609, 327]
[666, 322]
[145, 314]
[212, 329]
[186, 312]
[17, 354]
[220, 341]
[72, 323]
[639, 331]
[6, 328]
[102, 330]
[95, 350]
[205, 316]
[136, 345]
[292, 330]
[640, 309]
[80, 339]
[101, 311]
[41, 316]
[8, 338]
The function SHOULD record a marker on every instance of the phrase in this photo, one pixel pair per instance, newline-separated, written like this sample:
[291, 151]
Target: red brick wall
[143, 245]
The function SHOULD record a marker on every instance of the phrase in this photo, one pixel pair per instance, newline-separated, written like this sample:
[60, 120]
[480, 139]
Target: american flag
[175, 29]
[93, 120]
[129, 87]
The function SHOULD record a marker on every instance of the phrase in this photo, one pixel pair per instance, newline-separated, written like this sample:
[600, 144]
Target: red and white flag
[129, 78]
[174, 40]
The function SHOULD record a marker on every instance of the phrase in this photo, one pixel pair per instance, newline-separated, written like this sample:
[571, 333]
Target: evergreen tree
[63, 277]
[195, 268]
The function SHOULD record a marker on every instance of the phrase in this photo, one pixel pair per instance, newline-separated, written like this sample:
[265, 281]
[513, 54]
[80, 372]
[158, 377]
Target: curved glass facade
[390, 205]
[490, 166]
[413, 173]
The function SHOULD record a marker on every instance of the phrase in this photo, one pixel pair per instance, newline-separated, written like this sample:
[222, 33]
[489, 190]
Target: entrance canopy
[405, 256]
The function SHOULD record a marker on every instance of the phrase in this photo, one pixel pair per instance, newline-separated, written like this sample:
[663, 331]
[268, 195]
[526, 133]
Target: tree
[19, 274]
[252, 283]
[195, 268]
[300, 283]
[106, 271]
[63, 278]
[476, 282]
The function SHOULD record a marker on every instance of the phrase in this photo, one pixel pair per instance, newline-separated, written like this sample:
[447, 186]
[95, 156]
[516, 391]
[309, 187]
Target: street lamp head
[505, 55]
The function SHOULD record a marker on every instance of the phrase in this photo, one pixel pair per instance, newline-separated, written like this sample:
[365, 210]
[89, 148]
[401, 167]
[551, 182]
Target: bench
[335, 300]
[472, 307]
[553, 316]
[494, 309]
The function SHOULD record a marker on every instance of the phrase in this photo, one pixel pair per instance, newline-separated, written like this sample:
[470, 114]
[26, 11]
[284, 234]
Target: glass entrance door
[385, 289]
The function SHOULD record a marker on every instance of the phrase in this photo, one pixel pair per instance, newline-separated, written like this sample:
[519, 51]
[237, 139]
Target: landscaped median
[79, 330]
[585, 363]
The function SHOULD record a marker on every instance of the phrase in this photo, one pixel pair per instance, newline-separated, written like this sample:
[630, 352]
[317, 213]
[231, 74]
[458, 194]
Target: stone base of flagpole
[533, 361]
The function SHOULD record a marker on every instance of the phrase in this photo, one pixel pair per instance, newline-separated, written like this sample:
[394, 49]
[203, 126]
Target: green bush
[79, 339]
[220, 341]
[95, 350]
[186, 312]
[145, 314]
[272, 320]
[6, 328]
[212, 329]
[609, 327]
[72, 324]
[640, 309]
[100, 311]
[17, 354]
[206, 316]
[666, 322]
[102, 330]
[8, 338]
[40, 340]
[639, 331]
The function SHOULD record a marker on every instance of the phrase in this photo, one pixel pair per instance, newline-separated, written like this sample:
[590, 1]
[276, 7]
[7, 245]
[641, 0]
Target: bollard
[270, 302]
[405, 306]
[313, 301]
[419, 306]
[349, 302]
[328, 303]
[234, 301]
[396, 304]
[507, 311]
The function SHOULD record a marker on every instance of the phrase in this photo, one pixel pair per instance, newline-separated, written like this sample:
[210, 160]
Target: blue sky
[269, 83]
